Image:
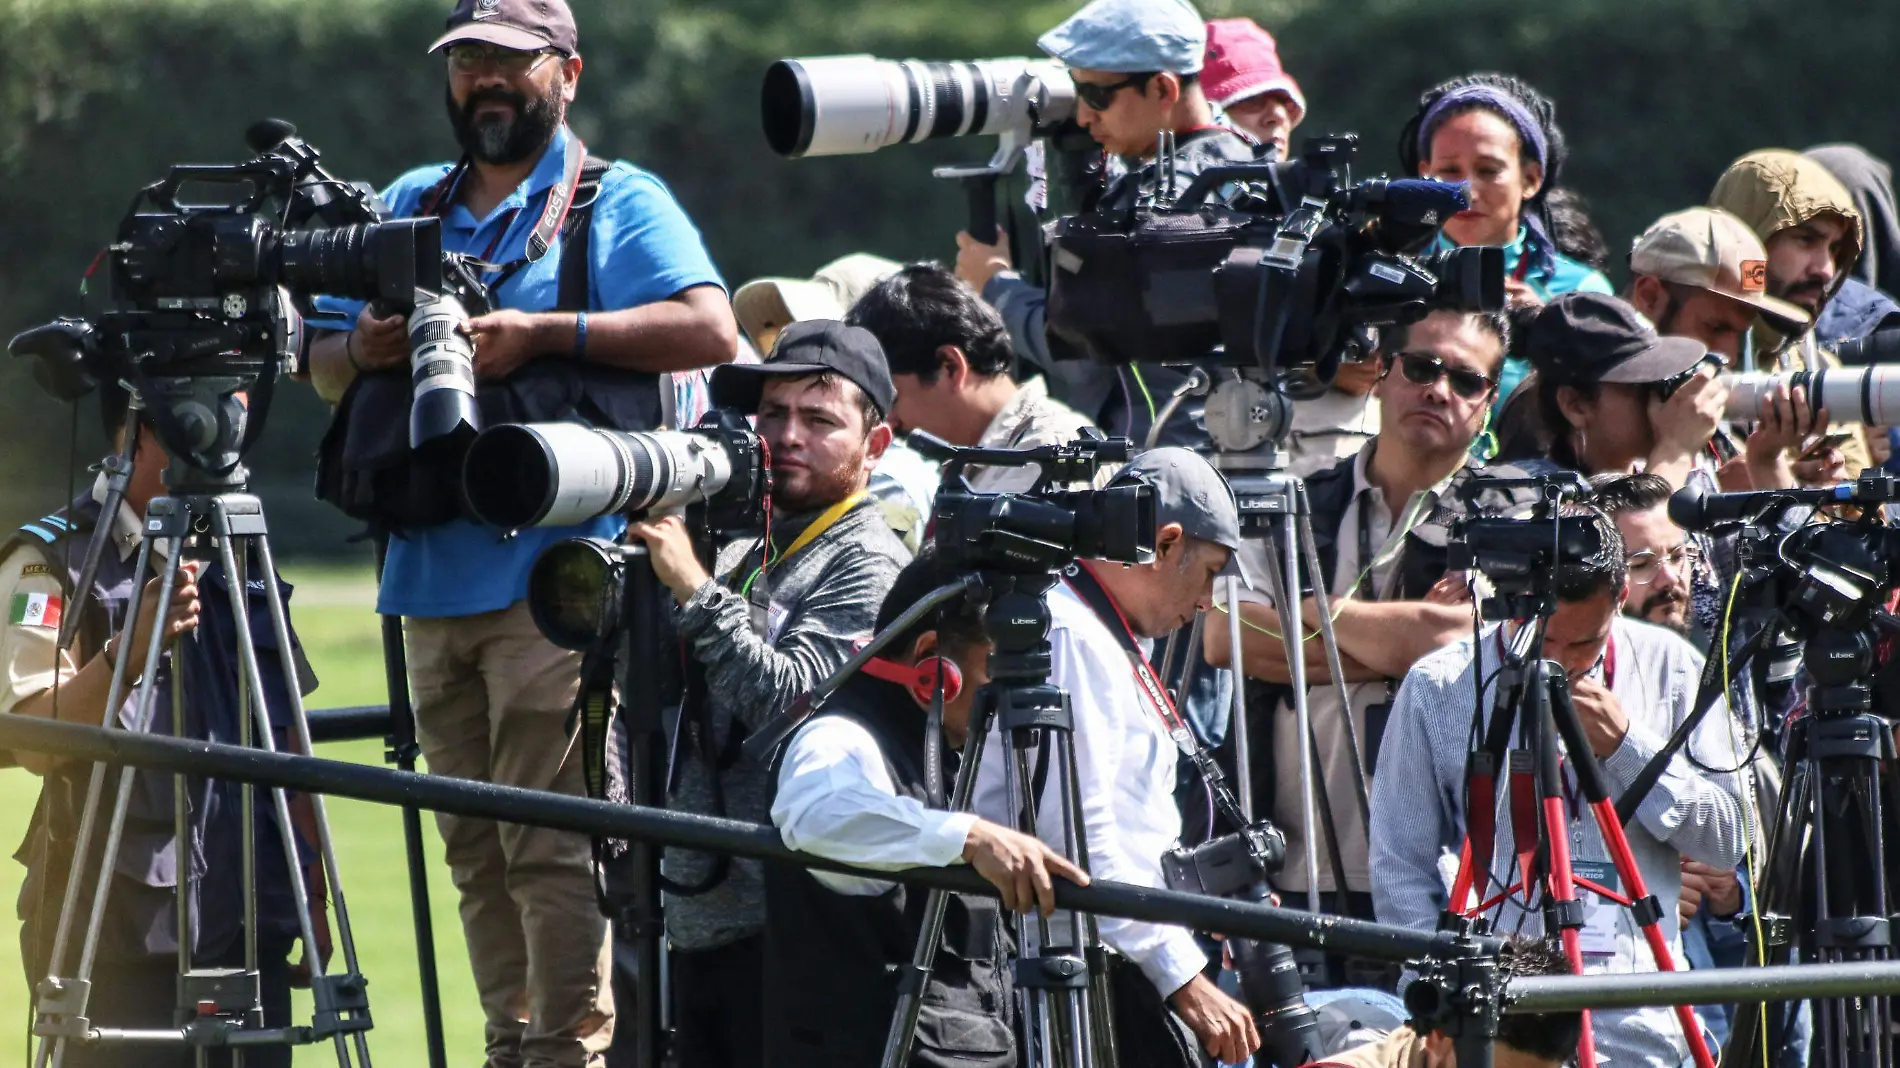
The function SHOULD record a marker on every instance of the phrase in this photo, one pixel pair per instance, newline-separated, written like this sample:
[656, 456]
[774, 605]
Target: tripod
[1061, 976]
[204, 517]
[1248, 419]
[1533, 696]
[1825, 888]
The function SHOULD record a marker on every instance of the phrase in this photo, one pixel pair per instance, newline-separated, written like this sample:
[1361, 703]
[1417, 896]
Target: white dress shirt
[1125, 766]
[836, 800]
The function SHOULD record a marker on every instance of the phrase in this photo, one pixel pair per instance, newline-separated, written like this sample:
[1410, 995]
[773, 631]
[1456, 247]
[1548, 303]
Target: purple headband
[1529, 131]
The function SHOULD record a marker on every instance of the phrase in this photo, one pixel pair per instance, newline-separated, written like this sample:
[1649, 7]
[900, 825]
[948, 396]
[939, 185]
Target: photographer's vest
[833, 961]
[365, 466]
[140, 919]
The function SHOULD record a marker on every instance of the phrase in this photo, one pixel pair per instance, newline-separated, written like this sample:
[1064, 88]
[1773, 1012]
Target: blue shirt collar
[546, 173]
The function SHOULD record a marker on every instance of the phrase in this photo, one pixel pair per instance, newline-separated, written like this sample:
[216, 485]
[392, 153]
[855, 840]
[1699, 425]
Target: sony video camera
[1041, 528]
[1294, 270]
[206, 299]
[1523, 556]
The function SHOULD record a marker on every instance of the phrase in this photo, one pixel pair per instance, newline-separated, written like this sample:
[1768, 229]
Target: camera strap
[561, 197]
[1082, 580]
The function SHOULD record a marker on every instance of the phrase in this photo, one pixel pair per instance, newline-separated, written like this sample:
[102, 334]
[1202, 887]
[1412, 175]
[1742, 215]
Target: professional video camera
[206, 298]
[1040, 528]
[1296, 272]
[1521, 555]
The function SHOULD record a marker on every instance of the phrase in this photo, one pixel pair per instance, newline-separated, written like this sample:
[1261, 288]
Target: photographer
[637, 297]
[135, 976]
[1632, 686]
[782, 613]
[950, 360]
[1126, 754]
[1374, 518]
[852, 787]
[1136, 66]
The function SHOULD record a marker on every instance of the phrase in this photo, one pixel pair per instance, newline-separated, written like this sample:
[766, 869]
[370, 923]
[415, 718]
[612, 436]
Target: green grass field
[334, 616]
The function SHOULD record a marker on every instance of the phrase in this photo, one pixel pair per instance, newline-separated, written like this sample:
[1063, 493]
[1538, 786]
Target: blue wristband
[580, 335]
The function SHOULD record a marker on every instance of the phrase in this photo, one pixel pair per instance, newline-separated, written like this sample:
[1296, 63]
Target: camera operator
[637, 298]
[1525, 1039]
[781, 614]
[1608, 393]
[134, 979]
[1126, 756]
[1701, 274]
[1136, 66]
[852, 787]
[950, 360]
[1632, 685]
[1373, 518]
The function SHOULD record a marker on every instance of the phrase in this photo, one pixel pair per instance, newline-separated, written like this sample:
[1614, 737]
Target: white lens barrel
[561, 474]
[442, 372]
[1866, 395]
[844, 105]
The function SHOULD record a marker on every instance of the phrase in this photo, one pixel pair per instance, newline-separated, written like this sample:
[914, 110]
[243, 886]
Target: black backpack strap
[577, 238]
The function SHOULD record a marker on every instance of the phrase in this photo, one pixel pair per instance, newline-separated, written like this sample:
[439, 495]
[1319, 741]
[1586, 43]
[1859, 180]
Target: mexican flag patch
[34, 610]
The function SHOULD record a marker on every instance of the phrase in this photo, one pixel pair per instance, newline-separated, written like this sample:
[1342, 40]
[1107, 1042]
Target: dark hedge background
[98, 96]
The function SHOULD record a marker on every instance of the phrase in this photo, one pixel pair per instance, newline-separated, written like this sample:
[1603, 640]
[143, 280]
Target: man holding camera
[1136, 66]
[950, 360]
[1632, 686]
[852, 786]
[1126, 732]
[603, 288]
[781, 614]
[1379, 521]
[134, 978]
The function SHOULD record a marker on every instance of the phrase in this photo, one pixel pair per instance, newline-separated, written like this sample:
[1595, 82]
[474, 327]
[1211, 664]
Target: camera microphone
[266, 134]
[1694, 508]
[1420, 201]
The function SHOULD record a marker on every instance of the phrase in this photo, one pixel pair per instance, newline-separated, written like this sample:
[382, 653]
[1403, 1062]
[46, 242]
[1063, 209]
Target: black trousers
[719, 1005]
[1147, 1032]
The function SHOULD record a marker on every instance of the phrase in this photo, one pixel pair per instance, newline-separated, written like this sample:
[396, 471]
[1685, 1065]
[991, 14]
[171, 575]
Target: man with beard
[1660, 555]
[603, 287]
[780, 614]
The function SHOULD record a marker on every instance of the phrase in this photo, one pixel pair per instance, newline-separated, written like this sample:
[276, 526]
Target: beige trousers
[492, 696]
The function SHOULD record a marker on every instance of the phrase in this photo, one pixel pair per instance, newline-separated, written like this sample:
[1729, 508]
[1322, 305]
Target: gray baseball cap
[1190, 492]
[1131, 36]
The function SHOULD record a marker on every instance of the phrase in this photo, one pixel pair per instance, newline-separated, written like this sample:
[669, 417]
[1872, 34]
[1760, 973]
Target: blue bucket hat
[1129, 36]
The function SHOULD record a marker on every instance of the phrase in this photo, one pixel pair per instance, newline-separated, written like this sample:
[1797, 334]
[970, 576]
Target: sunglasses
[1099, 96]
[469, 57]
[1424, 369]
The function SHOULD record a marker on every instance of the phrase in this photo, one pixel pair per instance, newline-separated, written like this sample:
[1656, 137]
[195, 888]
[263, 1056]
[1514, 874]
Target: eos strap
[1082, 580]
[561, 197]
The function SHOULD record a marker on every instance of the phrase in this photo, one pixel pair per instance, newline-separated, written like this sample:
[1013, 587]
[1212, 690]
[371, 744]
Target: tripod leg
[1239, 729]
[902, 1037]
[300, 726]
[142, 719]
[1322, 600]
[251, 677]
[1284, 581]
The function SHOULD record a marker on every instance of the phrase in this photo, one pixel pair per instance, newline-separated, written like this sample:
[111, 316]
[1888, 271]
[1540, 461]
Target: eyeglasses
[1424, 368]
[1645, 567]
[1099, 95]
[469, 57]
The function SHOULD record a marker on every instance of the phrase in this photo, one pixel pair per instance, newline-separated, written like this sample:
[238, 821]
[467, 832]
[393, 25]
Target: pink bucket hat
[1243, 62]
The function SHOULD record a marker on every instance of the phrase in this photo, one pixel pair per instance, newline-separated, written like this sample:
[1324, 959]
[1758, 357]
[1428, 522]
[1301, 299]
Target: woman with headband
[1500, 136]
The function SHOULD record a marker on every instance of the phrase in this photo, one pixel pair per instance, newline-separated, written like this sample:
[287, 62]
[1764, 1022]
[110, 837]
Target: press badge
[775, 622]
[1601, 917]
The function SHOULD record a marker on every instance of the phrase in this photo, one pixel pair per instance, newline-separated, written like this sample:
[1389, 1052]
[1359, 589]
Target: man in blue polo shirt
[592, 337]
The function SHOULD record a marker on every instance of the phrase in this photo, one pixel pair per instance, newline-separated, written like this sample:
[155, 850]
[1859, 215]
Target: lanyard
[825, 521]
[1081, 579]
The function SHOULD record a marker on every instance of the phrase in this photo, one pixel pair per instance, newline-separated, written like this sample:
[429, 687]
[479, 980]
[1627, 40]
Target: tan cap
[1711, 249]
[765, 306]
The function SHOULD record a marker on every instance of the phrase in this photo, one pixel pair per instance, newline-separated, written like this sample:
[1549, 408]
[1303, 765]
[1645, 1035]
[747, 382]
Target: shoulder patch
[35, 569]
[35, 610]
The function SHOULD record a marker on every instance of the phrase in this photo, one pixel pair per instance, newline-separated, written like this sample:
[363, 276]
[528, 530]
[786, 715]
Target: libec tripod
[204, 517]
[1060, 977]
[1533, 697]
[1825, 890]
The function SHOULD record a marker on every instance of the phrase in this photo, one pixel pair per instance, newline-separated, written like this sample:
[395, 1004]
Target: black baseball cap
[523, 25]
[808, 348]
[1586, 338]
